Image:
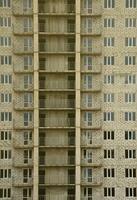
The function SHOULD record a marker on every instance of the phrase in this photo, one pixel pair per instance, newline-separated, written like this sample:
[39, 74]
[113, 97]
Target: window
[5, 3]
[6, 97]
[27, 137]
[109, 41]
[109, 192]
[27, 192]
[88, 81]
[5, 173]
[5, 21]
[88, 118]
[88, 100]
[130, 135]
[131, 192]
[87, 174]
[130, 79]
[5, 135]
[5, 116]
[130, 22]
[27, 44]
[87, 155]
[131, 3]
[130, 97]
[130, 116]
[88, 193]
[27, 4]
[130, 153]
[87, 137]
[109, 60]
[27, 81]
[28, 60]
[27, 174]
[5, 41]
[27, 118]
[27, 24]
[109, 172]
[108, 135]
[28, 98]
[87, 44]
[5, 154]
[109, 22]
[130, 173]
[130, 41]
[5, 60]
[27, 155]
[87, 62]
[5, 193]
[87, 25]
[6, 79]
[88, 5]
[130, 60]
[109, 3]
[108, 116]
[109, 79]
[108, 153]
[109, 97]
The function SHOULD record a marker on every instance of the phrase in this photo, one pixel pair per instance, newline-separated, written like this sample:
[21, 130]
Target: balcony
[56, 85]
[19, 123]
[59, 49]
[58, 9]
[57, 122]
[20, 162]
[19, 86]
[19, 143]
[49, 29]
[21, 69]
[92, 10]
[18, 10]
[20, 30]
[22, 181]
[93, 105]
[19, 104]
[56, 180]
[91, 68]
[57, 197]
[57, 142]
[56, 162]
[57, 104]
[95, 142]
[19, 197]
[92, 181]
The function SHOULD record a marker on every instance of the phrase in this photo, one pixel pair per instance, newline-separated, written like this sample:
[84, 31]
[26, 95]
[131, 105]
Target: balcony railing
[57, 122]
[56, 85]
[60, 103]
[57, 197]
[95, 143]
[68, 28]
[18, 68]
[57, 67]
[95, 11]
[56, 141]
[68, 47]
[92, 181]
[57, 180]
[18, 123]
[20, 29]
[20, 105]
[63, 162]
[66, 8]
[92, 162]
[96, 49]
[19, 86]
[19, 10]
[22, 162]
[22, 181]
[18, 142]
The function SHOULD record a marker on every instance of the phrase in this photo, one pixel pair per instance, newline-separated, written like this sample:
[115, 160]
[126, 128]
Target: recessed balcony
[59, 49]
[56, 122]
[56, 104]
[57, 180]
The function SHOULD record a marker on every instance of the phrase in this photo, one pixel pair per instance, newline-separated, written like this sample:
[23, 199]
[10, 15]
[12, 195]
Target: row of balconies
[58, 8]
[48, 68]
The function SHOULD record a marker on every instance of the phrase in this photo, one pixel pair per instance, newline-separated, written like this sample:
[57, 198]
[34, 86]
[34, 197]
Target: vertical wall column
[36, 102]
[78, 114]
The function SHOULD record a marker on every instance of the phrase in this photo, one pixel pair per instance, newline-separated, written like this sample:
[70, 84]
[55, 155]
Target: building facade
[68, 99]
